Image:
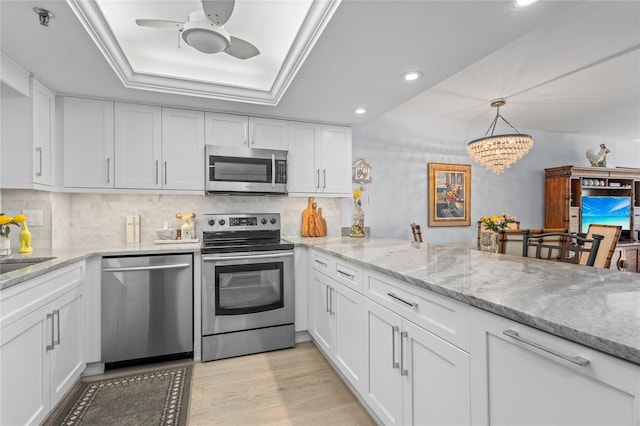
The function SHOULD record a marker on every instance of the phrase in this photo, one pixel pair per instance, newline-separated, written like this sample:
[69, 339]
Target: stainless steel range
[247, 286]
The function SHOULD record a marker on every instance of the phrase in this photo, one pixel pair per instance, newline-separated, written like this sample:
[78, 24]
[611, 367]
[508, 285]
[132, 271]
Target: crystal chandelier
[499, 152]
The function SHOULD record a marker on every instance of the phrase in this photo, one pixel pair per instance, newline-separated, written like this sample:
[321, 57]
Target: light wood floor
[288, 387]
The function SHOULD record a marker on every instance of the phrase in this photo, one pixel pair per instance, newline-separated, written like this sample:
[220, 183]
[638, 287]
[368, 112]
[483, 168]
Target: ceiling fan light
[205, 38]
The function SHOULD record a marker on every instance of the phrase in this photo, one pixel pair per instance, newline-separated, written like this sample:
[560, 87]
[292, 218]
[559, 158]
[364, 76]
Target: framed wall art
[449, 187]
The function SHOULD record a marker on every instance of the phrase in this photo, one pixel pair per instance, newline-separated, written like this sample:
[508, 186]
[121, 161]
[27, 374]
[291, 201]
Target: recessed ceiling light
[361, 111]
[412, 75]
[524, 3]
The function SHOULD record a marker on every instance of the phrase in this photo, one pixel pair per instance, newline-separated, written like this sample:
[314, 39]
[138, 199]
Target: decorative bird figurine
[599, 159]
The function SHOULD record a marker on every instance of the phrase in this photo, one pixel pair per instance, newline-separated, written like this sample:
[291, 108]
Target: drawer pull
[394, 363]
[56, 313]
[344, 274]
[575, 360]
[412, 304]
[321, 263]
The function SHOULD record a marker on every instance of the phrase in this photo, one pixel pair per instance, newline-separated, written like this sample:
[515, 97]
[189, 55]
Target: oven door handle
[248, 256]
[273, 170]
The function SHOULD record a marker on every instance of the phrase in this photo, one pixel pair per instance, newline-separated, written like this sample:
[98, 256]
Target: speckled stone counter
[66, 256]
[599, 308]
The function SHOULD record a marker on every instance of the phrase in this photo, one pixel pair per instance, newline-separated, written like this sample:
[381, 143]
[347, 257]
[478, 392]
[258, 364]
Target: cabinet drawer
[444, 317]
[338, 269]
[18, 301]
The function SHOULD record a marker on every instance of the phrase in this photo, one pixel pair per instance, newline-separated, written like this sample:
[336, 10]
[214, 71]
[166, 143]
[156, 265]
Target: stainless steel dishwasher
[147, 308]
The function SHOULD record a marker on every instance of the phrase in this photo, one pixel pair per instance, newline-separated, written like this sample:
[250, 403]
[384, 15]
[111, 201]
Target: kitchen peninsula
[449, 314]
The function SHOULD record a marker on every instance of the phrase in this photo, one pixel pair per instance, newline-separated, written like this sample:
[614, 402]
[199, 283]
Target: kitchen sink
[8, 265]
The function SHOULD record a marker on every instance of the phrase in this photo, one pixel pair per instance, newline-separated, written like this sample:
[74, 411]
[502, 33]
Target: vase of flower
[5, 229]
[5, 246]
[490, 232]
[357, 229]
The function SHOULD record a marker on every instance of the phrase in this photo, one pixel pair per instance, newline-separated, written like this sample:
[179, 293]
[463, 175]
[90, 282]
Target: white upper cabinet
[43, 116]
[268, 133]
[182, 149]
[240, 130]
[138, 146]
[319, 159]
[88, 143]
[28, 138]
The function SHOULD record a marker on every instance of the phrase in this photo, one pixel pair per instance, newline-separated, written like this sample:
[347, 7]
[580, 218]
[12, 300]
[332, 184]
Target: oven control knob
[273, 220]
[211, 222]
[221, 222]
[263, 221]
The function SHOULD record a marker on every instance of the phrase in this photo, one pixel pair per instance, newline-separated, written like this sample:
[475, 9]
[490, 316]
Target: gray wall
[398, 147]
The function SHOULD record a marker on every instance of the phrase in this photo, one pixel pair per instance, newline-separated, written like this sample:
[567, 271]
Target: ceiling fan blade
[241, 49]
[158, 23]
[218, 11]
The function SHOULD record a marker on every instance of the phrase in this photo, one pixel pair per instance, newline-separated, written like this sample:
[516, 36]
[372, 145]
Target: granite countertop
[67, 256]
[599, 308]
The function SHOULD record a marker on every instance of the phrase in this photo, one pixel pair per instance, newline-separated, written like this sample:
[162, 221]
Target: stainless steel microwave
[241, 170]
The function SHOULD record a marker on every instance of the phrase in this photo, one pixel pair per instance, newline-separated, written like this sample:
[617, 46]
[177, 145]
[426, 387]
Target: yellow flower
[5, 220]
[19, 218]
[357, 193]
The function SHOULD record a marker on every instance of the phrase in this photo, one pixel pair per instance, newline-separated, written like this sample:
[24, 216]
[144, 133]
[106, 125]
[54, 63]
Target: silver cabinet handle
[403, 371]
[246, 131]
[578, 360]
[252, 132]
[50, 347]
[321, 263]
[157, 172]
[108, 169]
[165, 172]
[56, 313]
[399, 299]
[324, 178]
[394, 363]
[146, 268]
[332, 293]
[317, 178]
[344, 274]
[326, 294]
[39, 153]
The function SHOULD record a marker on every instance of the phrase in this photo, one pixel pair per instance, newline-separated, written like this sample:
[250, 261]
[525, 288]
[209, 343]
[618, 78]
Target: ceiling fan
[204, 30]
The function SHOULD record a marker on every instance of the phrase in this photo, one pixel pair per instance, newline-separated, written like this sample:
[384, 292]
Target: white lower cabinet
[41, 344]
[337, 326]
[526, 376]
[413, 377]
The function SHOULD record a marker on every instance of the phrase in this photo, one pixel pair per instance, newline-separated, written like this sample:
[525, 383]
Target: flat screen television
[606, 210]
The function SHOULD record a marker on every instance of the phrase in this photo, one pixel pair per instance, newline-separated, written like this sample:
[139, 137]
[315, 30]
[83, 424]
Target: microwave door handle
[273, 170]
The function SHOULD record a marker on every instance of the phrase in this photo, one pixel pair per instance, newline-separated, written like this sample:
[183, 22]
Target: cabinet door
[43, 127]
[182, 149]
[323, 327]
[303, 174]
[24, 370]
[226, 129]
[138, 146]
[383, 382]
[268, 133]
[88, 143]
[67, 357]
[515, 382]
[349, 354]
[333, 156]
[436, 384]
[557, 196]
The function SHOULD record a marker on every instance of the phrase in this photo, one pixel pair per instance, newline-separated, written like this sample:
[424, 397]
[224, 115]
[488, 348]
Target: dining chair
[571, 249]
[510, 240]
[611, 235]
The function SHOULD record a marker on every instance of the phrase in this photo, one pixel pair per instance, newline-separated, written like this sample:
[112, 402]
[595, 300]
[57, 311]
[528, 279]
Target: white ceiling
[563, 66]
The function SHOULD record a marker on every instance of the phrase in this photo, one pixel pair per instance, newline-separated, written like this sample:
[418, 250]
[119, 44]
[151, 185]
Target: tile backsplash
[99, 219]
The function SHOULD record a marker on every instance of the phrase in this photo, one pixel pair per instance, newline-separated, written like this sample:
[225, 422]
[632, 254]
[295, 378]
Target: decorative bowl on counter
[165, 234]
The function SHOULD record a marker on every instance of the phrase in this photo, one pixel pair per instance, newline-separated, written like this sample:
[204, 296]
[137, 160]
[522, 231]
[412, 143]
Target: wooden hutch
[566, 185]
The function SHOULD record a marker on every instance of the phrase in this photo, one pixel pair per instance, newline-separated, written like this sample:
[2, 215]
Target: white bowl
[165, 234]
